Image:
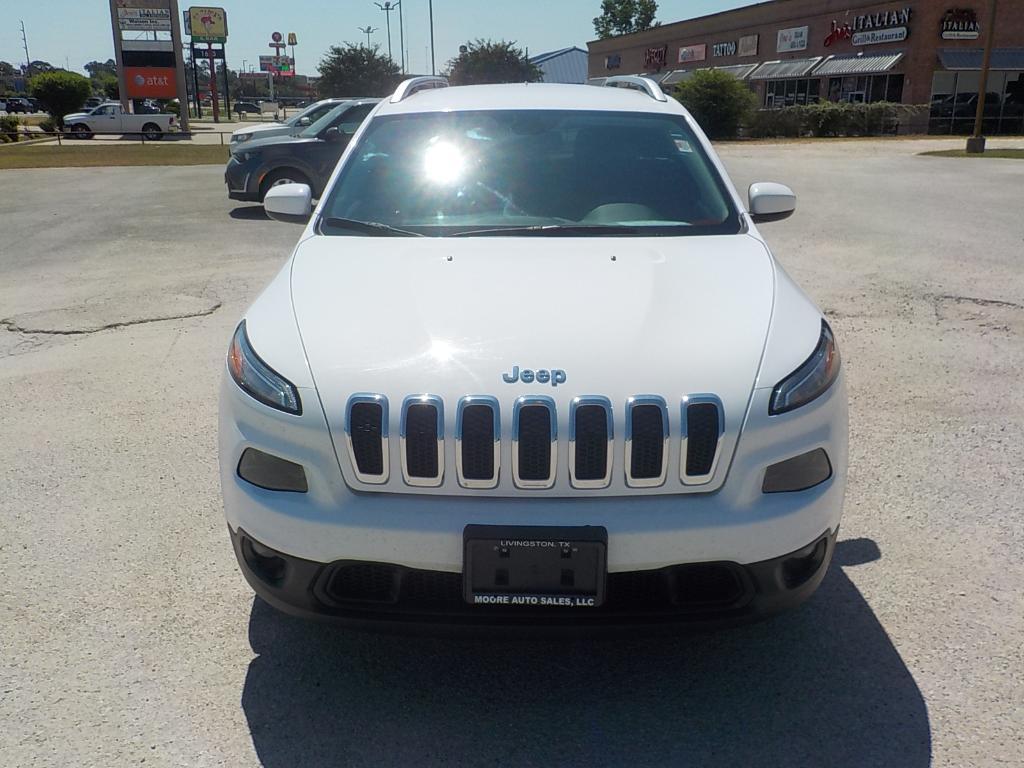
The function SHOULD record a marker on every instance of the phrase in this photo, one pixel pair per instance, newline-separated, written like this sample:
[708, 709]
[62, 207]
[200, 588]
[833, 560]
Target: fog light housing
[271, 473]
[264, 562]
[798, 474]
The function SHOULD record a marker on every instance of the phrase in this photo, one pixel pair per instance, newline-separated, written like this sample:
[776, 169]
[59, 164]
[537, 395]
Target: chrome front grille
[422, 440]
[478, 441]
[533, 445]
[534, 442]
[591, 440]
[366, 431]
[646, 441]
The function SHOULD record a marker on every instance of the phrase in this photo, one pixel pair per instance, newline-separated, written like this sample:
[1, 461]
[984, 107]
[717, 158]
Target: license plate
[535, 566]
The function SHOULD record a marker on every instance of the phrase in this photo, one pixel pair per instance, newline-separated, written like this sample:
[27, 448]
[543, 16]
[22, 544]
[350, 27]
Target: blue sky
[78, 31]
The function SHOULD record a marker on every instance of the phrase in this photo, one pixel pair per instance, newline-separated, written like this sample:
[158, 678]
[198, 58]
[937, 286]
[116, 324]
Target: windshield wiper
[369, 227]
[555, 229]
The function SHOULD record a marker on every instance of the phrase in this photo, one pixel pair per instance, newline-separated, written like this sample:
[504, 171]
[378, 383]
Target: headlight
[809, 380]
[240, 137]
[257, 378]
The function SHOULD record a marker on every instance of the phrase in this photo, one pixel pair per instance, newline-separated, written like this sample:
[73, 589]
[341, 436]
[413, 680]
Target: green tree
[107, 83]
[718, 101]
[97, 69]
[621, 17]
[355, 70]
[485, 61]
[60, 93]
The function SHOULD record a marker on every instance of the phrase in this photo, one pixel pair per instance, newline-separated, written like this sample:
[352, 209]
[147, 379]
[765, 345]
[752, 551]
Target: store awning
[777, 70]
[970, 58]
[739, 71]
[676, 76]
[858, 65]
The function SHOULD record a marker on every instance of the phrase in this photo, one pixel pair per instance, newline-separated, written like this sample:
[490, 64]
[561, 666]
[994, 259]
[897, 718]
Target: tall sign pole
[213, 82]
[179, 65]
[122, 90]
[976, 143]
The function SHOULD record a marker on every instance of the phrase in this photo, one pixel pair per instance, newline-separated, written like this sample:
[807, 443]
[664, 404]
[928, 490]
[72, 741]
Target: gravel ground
[129, 635]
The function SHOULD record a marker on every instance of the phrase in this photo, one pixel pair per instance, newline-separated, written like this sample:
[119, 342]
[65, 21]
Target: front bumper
[241, 181]
[380, 594]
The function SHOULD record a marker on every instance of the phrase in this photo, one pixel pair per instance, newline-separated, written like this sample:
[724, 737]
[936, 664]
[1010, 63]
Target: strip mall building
[801, 51]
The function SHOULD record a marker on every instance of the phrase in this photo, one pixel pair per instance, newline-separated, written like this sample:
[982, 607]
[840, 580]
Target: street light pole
[433, 68]
[387, 7]
[976, 143]
[368, 30]
[401, 33]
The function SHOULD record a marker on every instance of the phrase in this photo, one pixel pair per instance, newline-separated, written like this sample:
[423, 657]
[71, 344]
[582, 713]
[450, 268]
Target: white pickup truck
[110, 118]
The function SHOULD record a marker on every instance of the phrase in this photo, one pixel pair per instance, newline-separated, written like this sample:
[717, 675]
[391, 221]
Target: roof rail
[414, 84]
[644, 84]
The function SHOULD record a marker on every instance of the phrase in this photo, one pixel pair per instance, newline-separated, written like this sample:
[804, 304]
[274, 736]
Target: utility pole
[433, 68]
[368, 30]
[28, 59]
[388, 7]
[976, 143]
[401, 34]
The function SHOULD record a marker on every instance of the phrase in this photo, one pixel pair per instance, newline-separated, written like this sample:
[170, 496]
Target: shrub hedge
[9, 128]
[828, 118]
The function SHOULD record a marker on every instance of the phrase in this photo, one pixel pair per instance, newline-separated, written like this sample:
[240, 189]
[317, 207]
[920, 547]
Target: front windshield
[530, 172]
[324, 122]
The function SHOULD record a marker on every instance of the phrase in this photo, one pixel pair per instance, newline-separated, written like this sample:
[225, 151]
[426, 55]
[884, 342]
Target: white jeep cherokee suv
[531, 362]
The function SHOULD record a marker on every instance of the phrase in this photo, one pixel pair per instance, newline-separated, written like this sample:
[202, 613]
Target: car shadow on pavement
[249, 213]
[819, 686]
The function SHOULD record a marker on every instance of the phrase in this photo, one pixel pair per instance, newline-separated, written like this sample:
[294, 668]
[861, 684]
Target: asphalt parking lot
[129, 636]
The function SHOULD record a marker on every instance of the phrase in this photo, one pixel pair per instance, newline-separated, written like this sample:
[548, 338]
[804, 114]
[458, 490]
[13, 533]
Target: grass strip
[1013, 154]
[76, 156]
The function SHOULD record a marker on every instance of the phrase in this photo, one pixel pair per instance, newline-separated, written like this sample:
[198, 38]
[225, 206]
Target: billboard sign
[132, 19]
[282, 66]
[792, 39]
[207, 25]
[292, 39]
[692, 53]
[150, 82]
[748, 45]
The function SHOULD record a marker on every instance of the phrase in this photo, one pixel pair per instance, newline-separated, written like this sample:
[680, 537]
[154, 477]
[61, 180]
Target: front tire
[152, 132]
[283, 176]
[81, 131]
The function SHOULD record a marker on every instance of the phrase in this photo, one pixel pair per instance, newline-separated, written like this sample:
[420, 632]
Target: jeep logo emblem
[554, 377]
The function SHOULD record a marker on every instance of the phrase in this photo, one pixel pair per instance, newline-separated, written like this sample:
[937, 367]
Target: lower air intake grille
[477, 442]
[648, 442]
[421, 440]
[365, 428]
[702, 433]
[534, 443]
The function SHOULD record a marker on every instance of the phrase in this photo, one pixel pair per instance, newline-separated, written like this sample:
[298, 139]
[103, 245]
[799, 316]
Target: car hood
[264, 130]
[76, 116]
[453, 316]
[269, 143]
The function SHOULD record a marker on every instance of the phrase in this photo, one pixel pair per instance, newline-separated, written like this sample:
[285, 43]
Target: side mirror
[289, 202]
[332, 134]
[770, 201]
[304, 121]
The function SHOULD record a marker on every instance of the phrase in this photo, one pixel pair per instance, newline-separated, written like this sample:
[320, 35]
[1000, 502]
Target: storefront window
[787, 93]
[941, 112]
[894, 89]
[1013, 104]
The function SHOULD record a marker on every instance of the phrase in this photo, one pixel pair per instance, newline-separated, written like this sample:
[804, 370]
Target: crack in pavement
[12, 326]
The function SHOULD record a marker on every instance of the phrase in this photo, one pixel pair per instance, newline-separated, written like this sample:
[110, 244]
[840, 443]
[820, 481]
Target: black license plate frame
[544, 566]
